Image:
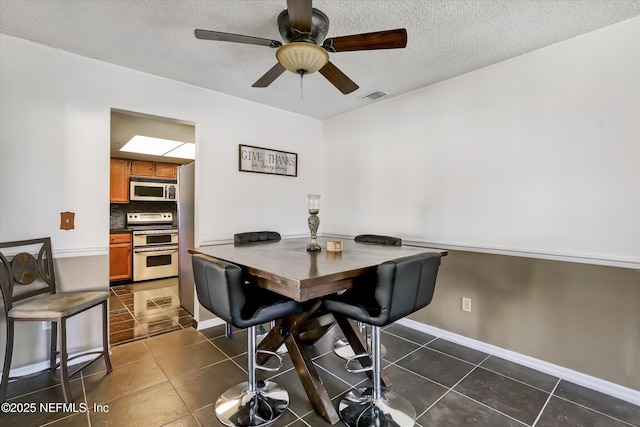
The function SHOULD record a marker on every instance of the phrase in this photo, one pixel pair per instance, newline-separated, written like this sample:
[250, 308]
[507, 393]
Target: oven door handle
[162, 249]
[155, 233]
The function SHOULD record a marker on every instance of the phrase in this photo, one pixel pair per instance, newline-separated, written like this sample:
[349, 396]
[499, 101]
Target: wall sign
[266, 160]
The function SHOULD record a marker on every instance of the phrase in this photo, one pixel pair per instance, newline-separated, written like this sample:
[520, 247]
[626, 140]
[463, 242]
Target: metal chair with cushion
[220, 288]
[399, 288]
[29, 294]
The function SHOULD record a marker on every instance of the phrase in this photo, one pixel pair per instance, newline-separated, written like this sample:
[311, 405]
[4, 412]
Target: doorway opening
[142, 303]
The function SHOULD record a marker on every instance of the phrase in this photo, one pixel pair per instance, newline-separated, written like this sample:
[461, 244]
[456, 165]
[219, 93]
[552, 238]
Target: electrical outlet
[46, 326]
[466, 304]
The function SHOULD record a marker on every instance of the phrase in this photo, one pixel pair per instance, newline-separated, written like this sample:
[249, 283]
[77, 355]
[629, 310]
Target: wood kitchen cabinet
[153, 170]
[119, 192]
[120, 258]
[166, 170]
[142, 168]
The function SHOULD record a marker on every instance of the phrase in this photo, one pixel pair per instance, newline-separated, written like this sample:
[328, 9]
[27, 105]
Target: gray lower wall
[578, 316]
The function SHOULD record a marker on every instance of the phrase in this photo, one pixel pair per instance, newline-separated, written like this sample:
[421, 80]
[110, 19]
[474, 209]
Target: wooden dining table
[287, 268]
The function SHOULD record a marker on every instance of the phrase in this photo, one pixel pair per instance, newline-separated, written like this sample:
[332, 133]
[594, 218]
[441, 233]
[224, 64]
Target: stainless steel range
[155, 245]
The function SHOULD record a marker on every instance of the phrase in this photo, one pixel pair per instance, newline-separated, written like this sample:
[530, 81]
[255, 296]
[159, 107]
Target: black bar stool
[252, 238]
[399, 288]
[221, 289]
[341, 347]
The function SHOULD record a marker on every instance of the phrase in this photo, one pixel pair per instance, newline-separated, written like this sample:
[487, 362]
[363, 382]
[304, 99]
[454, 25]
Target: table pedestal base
[300, 330]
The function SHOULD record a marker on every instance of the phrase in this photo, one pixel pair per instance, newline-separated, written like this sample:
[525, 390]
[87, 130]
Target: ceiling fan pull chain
[301, 91]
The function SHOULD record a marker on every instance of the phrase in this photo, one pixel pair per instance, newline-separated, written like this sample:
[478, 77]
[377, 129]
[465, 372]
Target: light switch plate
[66, 220]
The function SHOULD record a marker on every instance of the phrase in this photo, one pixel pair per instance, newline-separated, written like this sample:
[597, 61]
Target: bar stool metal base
[239, 407]
[359, 409]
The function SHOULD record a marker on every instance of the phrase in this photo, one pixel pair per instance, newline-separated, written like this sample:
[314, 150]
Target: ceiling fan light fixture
[302, 58]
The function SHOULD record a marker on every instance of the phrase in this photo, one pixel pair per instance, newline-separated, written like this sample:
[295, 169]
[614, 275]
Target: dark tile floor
[174, 379]
[144, 309]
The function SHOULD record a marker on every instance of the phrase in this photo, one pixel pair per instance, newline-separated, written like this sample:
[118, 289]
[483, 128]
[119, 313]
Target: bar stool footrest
[272, 354]
[352, 359]
[343, 350]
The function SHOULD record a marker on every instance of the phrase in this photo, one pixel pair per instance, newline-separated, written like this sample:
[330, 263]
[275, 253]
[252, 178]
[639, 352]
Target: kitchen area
[146, 210]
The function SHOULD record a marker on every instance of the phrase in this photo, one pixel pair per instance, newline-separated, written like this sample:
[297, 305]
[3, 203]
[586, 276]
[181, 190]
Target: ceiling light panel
[148, 145]
[185, 151]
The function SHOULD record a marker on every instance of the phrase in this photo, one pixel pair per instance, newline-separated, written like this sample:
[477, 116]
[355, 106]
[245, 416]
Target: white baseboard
[597, 384]
[210, 323]
[41, 366]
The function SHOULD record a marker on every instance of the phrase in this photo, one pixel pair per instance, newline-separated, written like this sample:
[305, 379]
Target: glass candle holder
[313, 204]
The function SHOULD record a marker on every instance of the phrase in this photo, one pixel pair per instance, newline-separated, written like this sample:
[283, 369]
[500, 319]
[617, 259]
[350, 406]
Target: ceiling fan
[304, 29]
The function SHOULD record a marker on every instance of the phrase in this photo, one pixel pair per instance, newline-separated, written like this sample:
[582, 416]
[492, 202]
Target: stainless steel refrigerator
[186, 198]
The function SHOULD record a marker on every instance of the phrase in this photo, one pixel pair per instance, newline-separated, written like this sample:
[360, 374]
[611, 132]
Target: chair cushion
[221, 290]
[263, 306]
[399, 287]
[56, 306]
[356, 303]
[378, 240]
[255, 237]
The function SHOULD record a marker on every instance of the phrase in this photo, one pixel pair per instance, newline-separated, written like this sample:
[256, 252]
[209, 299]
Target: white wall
[538, 155]
[54, 157]
[55, 112]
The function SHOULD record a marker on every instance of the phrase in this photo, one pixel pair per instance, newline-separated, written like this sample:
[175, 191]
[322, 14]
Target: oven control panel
[141, 218]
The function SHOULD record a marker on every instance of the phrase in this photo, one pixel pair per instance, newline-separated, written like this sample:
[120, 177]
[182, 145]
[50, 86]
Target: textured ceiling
[446, 38]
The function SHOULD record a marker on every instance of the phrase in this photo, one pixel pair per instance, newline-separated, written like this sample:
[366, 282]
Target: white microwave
[153, 190]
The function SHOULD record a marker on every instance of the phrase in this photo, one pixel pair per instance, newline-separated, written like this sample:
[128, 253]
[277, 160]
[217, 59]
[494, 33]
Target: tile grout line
[517, 380]
[175, 323]
[298, 417]
[546, 403]
[449, 388]
[231, 359]
[408, 340]
[484, 404]
[182, 400]
[593, 410]
[479, 365]
[435, 350]
[171, 384]
[134, 319]
[86, 398]
[244, 369]
[489, 407]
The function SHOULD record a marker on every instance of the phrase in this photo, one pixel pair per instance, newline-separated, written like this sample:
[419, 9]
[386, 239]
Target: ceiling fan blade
[300, 14]
[269, 76]
[338, 78]
[235, 38]
[390, 39]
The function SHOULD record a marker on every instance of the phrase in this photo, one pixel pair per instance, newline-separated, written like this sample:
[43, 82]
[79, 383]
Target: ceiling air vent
[373, 96]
